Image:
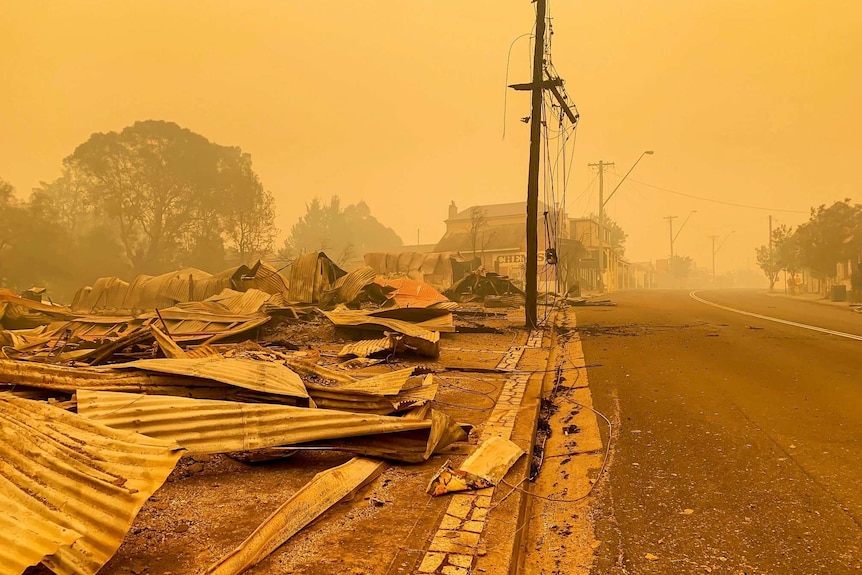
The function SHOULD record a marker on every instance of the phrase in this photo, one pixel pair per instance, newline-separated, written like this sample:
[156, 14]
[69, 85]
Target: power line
[748, 206]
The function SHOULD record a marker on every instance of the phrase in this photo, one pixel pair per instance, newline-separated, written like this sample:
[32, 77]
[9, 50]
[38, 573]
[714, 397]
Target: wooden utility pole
[713, 238]
[531, 288]
[602, 166]
[770, 236]
[670, 221]
[542, 80]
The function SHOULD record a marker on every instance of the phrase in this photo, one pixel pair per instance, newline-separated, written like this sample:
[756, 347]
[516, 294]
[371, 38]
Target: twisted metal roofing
[247, 373]
[69, 487]
[209, 426]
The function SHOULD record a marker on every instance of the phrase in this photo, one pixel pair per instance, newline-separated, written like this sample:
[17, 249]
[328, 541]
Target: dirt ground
[210, 504]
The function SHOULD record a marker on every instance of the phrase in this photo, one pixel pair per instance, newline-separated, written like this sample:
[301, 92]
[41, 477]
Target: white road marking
[694, 296]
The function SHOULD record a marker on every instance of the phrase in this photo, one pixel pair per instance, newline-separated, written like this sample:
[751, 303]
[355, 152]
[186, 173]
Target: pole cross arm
[546, 84]
[573, 117]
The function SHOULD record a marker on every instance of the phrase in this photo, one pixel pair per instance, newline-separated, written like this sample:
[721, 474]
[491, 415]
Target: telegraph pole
[715, 249]
[531, 289]
[602, 166]
[713, 238]
[770, 235]
[670, 222]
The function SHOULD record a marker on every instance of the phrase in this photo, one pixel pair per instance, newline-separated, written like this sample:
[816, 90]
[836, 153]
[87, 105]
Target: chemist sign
[518, 259]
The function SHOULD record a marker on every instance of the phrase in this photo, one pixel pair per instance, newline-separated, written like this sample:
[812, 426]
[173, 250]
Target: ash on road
[740, 440]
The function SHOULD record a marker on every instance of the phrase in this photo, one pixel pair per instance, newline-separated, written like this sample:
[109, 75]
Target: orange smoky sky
[401, 102]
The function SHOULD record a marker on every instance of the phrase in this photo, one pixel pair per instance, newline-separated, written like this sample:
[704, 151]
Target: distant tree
[249, 213]
[767, 259]
[172, 194]
[8, 203]
[478, 222]
[314, 230]
[680, 267]
[618, 234]
[783, 254]
[831, 235]
[10, 214]
[785, 243]
[341, 233]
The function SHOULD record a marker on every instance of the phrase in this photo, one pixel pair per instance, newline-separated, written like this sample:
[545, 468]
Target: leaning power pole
[531, 288]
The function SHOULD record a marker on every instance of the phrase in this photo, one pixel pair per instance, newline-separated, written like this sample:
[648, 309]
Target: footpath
[817, 299]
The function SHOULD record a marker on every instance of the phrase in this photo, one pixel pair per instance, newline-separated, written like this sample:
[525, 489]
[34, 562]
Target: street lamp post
[674, 236]
[602, 201]
[715, 250]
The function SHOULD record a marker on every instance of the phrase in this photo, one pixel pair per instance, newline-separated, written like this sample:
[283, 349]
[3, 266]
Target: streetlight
[715, 250]
[672, 236]
[602, 202]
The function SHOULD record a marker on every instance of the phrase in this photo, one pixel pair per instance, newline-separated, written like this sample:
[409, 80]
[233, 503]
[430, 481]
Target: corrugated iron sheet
[350, 286]
[431, 318]
[248, 302]
[69, 487]
[323, 491]
[411, 293]
[264, 277]
[262, 376]
[343, 317]
[366, 347]
[384, 384]
[206, 426]
[310, 275]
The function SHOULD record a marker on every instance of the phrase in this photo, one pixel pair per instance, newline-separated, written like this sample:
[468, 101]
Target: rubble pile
[115, 388]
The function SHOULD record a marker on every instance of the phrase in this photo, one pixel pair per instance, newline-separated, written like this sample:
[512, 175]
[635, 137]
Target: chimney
[453, 210]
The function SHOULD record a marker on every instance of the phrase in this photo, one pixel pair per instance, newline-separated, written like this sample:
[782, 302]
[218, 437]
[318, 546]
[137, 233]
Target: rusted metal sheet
[324, 490]
[428, 346]
[313, 369]
[384, 384]
[242, 382]
[69, 487]
[312, 274]
[352, 285]
[22, 313]
[262, 276]
[107, 294]
[208, 426]
[245, 303]
[431, 318]
[367, 347]
[261, 376]
[330, 397]
[343, 317]
[411, 293]
[168, 346]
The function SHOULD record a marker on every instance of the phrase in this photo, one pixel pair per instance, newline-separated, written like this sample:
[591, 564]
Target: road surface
[739, 444]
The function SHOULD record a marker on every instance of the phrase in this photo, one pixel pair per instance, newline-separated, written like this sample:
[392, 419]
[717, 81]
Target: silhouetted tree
[618, 234]
[831, 235]
[478, 222]
[680, 267]
[342, 233]
[172, 194]
[782, 255]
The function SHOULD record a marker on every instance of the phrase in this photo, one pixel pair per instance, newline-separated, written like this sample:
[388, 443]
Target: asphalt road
[739, 443]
